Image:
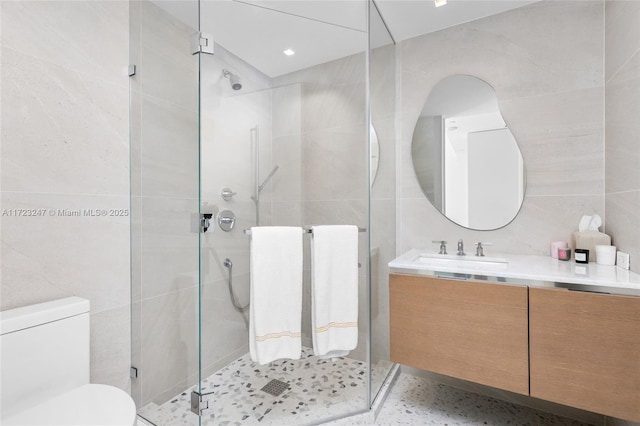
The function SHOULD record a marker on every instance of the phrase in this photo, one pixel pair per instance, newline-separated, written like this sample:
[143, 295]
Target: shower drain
[275, 387]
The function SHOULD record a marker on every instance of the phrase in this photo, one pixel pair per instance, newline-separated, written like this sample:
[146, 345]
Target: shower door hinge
[201, 43]
[198, 402]
[133, 372]
[132, 70]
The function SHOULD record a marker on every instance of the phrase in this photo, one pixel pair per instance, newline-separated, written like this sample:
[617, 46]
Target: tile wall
[622, 123]
[65, 149]
[545, 64]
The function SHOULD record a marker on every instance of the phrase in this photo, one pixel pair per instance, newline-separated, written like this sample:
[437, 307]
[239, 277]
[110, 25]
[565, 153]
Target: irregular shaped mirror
[467, 161]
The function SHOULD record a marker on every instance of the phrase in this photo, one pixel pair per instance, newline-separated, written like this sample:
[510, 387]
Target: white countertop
[523, 267]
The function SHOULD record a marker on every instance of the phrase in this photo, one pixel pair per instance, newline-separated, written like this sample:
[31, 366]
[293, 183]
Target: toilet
[45, 369]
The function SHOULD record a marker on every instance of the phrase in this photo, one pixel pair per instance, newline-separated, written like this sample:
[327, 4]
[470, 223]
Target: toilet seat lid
[88, 405]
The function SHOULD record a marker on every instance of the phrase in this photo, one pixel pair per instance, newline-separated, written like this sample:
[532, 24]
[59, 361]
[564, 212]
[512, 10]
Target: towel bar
[304, 231]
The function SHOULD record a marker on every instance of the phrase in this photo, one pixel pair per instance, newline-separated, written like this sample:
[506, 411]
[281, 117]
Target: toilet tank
[44, 352]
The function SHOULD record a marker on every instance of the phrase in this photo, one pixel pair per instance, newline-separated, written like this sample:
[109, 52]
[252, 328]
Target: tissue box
[588, 240]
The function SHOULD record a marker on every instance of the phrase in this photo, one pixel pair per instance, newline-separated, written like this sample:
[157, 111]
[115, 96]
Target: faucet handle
[443, 246]
[479, 247]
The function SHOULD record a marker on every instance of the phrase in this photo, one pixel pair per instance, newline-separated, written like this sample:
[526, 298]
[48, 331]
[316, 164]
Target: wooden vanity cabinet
[585, 350]
[475, 331]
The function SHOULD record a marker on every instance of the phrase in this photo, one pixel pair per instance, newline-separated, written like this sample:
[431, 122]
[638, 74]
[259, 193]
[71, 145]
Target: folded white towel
[334, 289]
[276, 293]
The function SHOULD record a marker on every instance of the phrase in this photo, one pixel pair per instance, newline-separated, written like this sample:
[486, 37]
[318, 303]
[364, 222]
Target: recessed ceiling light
[289, 52]
[440, 2]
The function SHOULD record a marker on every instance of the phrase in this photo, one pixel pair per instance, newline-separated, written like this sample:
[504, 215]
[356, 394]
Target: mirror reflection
[374, 154]
[465, 157]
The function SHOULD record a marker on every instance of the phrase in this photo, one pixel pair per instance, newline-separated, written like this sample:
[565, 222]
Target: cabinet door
[585, 350]
[473, 331]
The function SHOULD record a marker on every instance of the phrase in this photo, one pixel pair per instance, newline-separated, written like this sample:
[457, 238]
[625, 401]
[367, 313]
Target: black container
[581, 255]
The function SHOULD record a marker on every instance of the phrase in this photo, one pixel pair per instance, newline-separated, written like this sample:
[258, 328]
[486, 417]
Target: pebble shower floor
[318, 389]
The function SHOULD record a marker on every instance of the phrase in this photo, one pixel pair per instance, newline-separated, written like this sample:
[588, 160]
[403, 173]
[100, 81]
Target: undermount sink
[454, 258]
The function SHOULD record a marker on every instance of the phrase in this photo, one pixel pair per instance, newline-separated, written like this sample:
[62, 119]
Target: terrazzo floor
[318, 389]
[418, 401]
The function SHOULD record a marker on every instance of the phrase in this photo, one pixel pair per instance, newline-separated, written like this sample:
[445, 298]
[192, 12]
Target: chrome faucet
[443, 246]
[480, 248]
[461, 248]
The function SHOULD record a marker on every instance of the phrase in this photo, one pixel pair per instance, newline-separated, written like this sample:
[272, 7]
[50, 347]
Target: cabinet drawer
[585, 351]
[473, 331]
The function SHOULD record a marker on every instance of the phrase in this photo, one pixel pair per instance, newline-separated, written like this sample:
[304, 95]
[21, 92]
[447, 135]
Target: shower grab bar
[254, 134]
[304, 231]
[265, 182]
[268, 178]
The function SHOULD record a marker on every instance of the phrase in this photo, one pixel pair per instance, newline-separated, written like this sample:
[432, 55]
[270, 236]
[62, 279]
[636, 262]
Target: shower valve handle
[227, 194]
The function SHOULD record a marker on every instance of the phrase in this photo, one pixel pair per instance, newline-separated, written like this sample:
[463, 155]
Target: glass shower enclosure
[243, 114]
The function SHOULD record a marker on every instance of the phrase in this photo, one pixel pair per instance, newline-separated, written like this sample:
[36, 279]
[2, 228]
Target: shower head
[234, 80]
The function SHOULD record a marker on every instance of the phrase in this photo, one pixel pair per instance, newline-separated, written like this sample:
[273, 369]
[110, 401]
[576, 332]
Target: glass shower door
[283, 141]
[270, 129]
[164, 203]
[382, 113]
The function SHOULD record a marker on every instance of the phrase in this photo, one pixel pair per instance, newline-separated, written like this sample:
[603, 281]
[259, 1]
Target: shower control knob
[226, 220]
[227, 194]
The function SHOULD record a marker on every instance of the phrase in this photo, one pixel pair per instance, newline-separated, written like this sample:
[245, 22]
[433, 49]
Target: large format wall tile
[111, 347]
[167, 69]
[224, 331]
[169, 150]
[288, 181]
[287, 110]
[336, 212]
[383, 82]
[560, 136]
[622, 34]
[287, 213]
[544, 47]
[623, 225]
[325, 107]
[344, 71]
[170, 354]
[622, 106]
[88, 38]
[64, 132]
[623, 128]
[56, 255]
[542, 219]
[169, 245]
[335, 163]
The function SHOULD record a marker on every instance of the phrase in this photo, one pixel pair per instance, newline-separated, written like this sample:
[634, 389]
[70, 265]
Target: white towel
[334, 290]
[276, 293]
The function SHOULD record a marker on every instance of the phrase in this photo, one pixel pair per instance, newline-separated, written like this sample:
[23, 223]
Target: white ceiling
[411, 18]
[319, 31]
